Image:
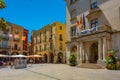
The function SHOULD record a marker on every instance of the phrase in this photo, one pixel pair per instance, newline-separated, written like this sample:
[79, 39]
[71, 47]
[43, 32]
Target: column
[67, 53]
[104, 48]
[108, 44]
[100, 49]
[78, 53]
[87, 53]
[81, 55]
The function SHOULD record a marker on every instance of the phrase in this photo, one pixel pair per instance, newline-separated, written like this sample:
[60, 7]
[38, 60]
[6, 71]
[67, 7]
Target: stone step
[90, 66]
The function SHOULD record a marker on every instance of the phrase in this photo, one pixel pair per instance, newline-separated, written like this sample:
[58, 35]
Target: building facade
[25, 42]
[29, 49]
[12, 42]
[50, 42]
[4, 40]
[93, 27]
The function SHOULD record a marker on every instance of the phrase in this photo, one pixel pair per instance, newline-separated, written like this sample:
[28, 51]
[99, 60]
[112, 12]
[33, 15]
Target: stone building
[12, 42]
[16, 42]
[49, 42]
[93, 27]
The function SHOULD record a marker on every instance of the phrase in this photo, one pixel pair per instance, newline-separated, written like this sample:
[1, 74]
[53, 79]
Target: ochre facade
[49, 42]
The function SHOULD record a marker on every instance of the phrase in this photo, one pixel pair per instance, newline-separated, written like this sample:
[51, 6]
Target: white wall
[116, 43]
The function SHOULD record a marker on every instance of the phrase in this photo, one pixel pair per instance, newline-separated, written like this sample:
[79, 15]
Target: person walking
[12, 64]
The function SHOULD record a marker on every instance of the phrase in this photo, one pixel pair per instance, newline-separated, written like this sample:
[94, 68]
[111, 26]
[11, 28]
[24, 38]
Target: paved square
[57, 72]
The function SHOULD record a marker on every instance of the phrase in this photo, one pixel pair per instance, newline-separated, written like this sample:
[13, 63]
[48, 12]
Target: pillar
[67, 53]
[104, 48]
[87, 53]
[78, 54]
[108, 44]
[81, 52]
[100, 49]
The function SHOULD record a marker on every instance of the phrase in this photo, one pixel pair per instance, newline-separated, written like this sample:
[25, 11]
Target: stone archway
[51, 58]
[73, 49]
[93, 53]
[60, 57]
[45, 58]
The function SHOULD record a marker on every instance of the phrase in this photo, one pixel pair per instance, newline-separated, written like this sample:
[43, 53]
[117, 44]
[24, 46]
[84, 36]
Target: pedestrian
[12, 64]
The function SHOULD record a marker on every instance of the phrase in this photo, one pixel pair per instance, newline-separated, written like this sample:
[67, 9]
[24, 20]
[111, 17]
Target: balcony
[101, 28]
[15, 48]
[16, 39]
[5, 47]
[5, 37]
[88, 31]
[96, 12]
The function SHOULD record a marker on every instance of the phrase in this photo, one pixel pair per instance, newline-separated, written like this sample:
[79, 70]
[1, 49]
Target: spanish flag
[79, 22]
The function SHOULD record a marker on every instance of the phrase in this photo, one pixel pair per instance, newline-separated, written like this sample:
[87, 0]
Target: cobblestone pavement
[57, 72]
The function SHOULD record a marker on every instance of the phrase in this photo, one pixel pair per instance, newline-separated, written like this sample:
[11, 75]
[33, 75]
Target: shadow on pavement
[42, 74]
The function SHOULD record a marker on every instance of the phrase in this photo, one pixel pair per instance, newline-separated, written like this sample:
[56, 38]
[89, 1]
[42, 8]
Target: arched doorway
[60, 57]
[51, 58]
[73, 49]
[45, 58]
[93, 53]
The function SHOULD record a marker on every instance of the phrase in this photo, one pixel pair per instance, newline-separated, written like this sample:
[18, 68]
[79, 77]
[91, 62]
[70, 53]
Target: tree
[3, 25]
[2, 4]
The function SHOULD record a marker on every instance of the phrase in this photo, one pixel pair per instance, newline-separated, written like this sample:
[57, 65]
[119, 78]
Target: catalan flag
[23, 38]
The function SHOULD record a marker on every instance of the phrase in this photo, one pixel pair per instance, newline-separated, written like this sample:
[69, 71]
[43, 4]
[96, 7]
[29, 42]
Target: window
[72, 1]
[40, 48]
[73, 31]
[50, 38]
[15, 46]
[44, 47]
[50, 46]
[73, 14]
[60, 37]
[94, 4]
[4, 44]
[94, 23]
[60, 47]
[60, 27]
[51, 29]
[16, 31]
[36, 49]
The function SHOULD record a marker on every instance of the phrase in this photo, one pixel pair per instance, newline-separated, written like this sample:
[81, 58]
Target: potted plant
[72, 59]
[110, 60]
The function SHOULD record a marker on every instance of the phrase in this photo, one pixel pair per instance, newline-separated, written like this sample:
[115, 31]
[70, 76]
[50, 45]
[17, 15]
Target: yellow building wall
[63, 33]
[55, 40]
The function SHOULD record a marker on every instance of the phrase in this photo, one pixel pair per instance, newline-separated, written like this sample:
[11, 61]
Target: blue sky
[34, 14]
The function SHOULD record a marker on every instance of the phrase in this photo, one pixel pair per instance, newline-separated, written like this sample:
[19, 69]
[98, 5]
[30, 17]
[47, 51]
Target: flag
[77, 23]
[23, 38]
[84, 23]
[81, 21]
